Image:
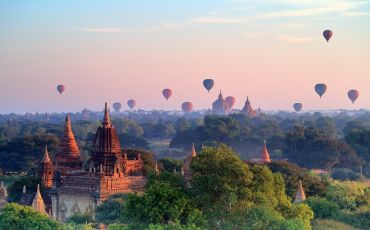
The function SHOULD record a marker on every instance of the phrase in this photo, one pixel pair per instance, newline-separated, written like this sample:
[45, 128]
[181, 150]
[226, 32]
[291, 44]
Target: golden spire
[300, 195]
[38, 204]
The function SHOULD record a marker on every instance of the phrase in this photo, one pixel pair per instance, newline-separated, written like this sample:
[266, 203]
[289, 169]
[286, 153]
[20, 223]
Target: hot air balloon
[131, 103]
[230, 101]
[167, 93]
[297, 107]
[353, 95]
[208, 84]
[187, 107]
[117, 106]
[320, 89]
[327, 34]
[61, 88]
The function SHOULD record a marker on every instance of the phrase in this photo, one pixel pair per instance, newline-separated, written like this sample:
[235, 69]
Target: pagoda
[186, 165]
[68, 155]
[248, 110]
[220, 106]
[300, 195]
[264, 155]
[3, 195]
[38, 204]
[47, 170]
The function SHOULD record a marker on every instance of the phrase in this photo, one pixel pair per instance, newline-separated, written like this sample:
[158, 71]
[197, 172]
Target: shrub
[330, 225]
[346, 174]
[322, 208]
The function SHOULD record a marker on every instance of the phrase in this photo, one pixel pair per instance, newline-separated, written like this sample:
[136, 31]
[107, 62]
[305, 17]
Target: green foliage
[348, 194]
[74, 226]
[161, 204]
[322, 208]
[111, 210]
[330, 225]
[358, 219]
[346, 174]
[18, 217]
[292, 173]
[81, 218]
[220, 179]
[173, 226]
[170, 164]
[15, 189]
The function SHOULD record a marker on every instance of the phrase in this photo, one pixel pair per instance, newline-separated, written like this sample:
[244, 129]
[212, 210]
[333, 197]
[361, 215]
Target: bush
[358, 219]
[346, 174]
[322, 208]
[330, 225]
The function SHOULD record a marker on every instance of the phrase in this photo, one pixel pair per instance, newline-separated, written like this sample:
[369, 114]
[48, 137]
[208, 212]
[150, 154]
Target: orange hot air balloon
[61, 88]
[353, 95]
[187, 107]
[131, 103]
[167, 93]
[230, 101]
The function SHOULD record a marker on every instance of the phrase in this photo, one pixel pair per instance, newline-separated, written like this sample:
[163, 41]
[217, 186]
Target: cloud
[216, 20]
[335, 7]
[294, 39]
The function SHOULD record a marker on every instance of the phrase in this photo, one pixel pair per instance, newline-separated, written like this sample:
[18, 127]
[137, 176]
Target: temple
[38, 204]
[248, 110]
[300, 195]
[3, 195]
[186, 170]
[72, 189]
[220, 107]
[265, 155]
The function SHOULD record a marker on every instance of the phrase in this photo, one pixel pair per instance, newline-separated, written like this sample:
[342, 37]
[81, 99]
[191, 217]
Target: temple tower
[38, 204]
[47, 170]
[265, 155]
[3, 195]
[107, 150]
[186, 166]
[68, 156]
[248, 110]
[220, 106]
[300, 195]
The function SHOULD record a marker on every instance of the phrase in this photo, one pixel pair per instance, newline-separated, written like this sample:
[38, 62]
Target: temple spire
[46, 155]
[38, 204]
[300, 195]
[265, 155]
[193, 152]
[106, 120]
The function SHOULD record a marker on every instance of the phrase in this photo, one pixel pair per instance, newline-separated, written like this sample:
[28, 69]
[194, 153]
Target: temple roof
[68, 150]
[220, 106]
[187, 161]
[3, 193]
[46, 155]
[248, 110]
[300, 195]
[38, 204]
[265, 155]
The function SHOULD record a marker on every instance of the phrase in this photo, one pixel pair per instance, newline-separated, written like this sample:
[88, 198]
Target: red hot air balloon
[131, 103]
[327, 34]
[167, 93]
[353, 95]
[61, 88]
[187, 107]
[230, 101]
[208, 84]
[320, 89]
[117, 106]
[297, 107]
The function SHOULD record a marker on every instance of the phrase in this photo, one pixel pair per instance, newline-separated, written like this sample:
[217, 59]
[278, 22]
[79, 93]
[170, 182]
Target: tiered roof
[248, 110]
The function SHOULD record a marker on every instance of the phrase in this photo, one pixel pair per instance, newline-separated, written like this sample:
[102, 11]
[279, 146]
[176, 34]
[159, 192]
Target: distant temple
[300, 195]
[248, 110]
[186, 171]
[71, 189]
[38, 204]
[265, 155]
[220, 107]
[3, 195]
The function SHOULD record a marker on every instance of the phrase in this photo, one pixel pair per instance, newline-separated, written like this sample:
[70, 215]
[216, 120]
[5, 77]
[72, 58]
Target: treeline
[339, 143]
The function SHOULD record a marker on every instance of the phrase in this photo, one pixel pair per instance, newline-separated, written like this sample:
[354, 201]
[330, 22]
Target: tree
[14, 216]
[170, 164]
[15, 190]
[220, 179]
[111, 210]
[322, 208]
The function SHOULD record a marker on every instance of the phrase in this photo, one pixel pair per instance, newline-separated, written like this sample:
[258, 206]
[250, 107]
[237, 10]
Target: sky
[270, 50]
